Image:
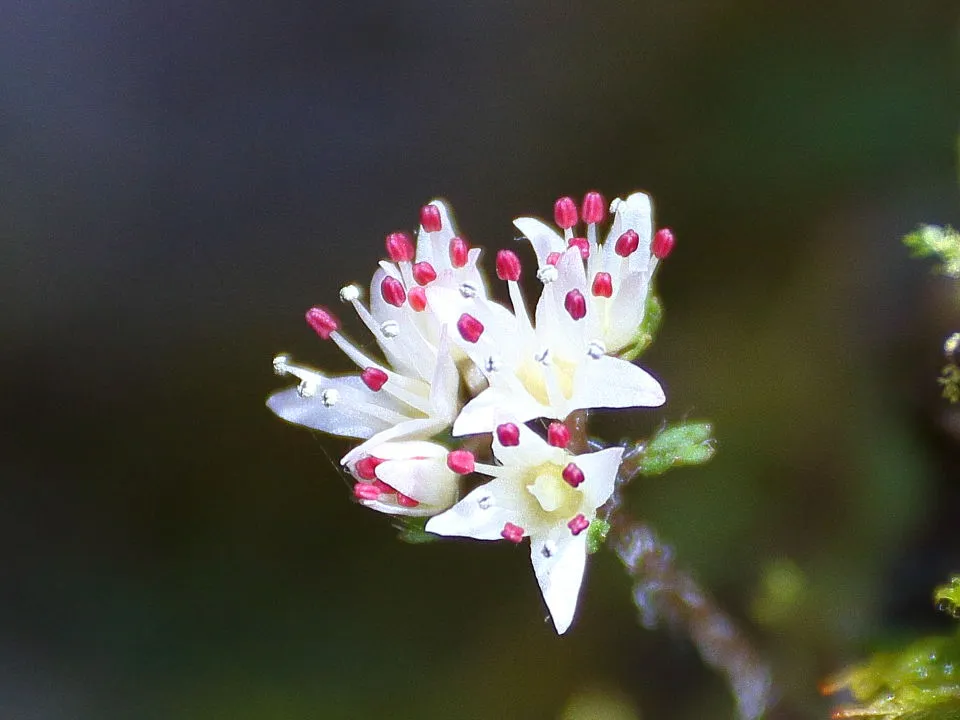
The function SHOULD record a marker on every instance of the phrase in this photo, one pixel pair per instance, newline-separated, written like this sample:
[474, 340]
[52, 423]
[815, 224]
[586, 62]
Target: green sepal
[597, 535]
[947, 597]
[652, 320]
[689, 443]
[411, 530]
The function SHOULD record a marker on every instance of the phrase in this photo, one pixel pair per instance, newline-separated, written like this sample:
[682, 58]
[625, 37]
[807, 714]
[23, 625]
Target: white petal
[614, 383]
[358, 411]
[532, 450]
[418, 427]
[405, 449]
[408, 352]
[480, 414]
[393, 508]
[544, 238]
[480, 515]
[559, 561]
[445, 386]
[626, 310]
[426, 480]
[599, 476]
[435, 247]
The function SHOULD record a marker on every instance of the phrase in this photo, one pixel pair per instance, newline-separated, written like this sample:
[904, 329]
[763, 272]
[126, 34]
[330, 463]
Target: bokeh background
[180, 180]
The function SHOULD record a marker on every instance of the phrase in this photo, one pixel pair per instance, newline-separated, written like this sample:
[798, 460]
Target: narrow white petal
[426, 480]
[408, 351]
[444, 389]
[625, 311]
[600, 475]
[419, 427]
[532, 450]
[614, 383]
[480, 414]
[392, 508]
[480, 515]
[542, 237]
[559, 561]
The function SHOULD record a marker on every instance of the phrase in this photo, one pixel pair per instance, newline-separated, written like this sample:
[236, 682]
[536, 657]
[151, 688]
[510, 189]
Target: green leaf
[689, 443]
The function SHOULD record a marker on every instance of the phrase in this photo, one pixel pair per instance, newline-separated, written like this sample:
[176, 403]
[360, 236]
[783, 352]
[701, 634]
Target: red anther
[459, 252]
[581, 243]
[322, 321]
[470, 328]
[508, 265]
[399, 247]
[578, 524]
[627, 243]
[418, 298]
[365, 491]
[392, 291]
[384, 488]
[508, 434]
[594, 207]
[424, 273]
[565, 212]
[602, 285]
[575, 304]
[511, 532]
[572, 475]
[430, 218]
[558, 435]
[663, 242]
[366, 468]
[408, 502]
[461, 461]
[553, 258]
[374, 378]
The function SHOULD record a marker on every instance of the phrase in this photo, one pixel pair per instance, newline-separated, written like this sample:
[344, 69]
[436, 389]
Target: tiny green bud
[947, 597]
[684, 444]
[597, 534]
[411, 530]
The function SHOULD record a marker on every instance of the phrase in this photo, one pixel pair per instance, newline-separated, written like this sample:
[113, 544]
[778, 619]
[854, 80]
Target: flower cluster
[455, 361]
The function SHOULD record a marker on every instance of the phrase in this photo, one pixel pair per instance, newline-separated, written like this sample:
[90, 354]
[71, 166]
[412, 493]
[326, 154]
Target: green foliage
[940, 242]
[652, 320]
[921, 682]
[597, 534]
[690, 443]
[411, 530]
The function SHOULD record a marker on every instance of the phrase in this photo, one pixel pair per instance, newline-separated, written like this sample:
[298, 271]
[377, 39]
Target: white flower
[542, 492]
[405, 478]
[618, 270]
[548, 369]
[415, 392]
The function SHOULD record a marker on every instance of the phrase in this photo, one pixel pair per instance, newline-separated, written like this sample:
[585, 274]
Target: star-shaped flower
[543, 492]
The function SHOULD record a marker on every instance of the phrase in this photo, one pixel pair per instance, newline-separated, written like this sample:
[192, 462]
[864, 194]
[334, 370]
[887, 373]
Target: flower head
[540, 491]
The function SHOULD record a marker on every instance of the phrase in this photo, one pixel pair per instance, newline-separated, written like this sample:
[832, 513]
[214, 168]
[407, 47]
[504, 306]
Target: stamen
[553, 258]
[627, 243]
[578, 524]
[508, 265]
[484, 502]
[548, 549]
[470, 328]
[468, 290]
[407, 501]
[594, 207]
[280, 364]
[418, 298]
[424, 273]
[663, 242]
[392, 291]
[330, 397]
[461, 462]
[365, 491]
[573, 475]
[596, 349]
[602, 285]
[558, 435]
[384, 488]
[349, 293]
[565, 213]
[365, 468]
[399, 247]
[374, 378]
[582, 244]
[308, 388]
[459, 252]
[547, 274]
[390, 329]
[430, 218]
[511, 532]
[322, 321]
[508, 435]
[575, 304]
[492, 364]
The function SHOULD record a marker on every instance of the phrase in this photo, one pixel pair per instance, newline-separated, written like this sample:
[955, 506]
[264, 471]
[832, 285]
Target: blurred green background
[179, 181]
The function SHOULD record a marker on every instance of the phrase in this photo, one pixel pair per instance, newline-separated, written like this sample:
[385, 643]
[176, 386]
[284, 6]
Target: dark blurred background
[180, 180]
